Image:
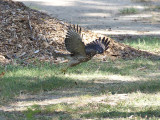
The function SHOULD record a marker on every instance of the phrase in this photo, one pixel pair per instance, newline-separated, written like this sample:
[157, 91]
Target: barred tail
[58, 54]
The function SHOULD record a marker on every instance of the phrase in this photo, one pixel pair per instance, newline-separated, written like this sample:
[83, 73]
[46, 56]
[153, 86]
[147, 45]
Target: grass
[30, 79]
[131, 108]
[97, 110]
[34, 7]
[157, 7]
[129, 89]
[128, 11]
[153, 8]
[146, 43]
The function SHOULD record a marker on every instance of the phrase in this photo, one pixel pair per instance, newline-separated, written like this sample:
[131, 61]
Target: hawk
[79, 52]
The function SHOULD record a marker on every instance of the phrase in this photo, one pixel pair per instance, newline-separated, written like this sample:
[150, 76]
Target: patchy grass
[136, 107]
[146, 43]
[34, 7]
[153, 8]
[157, 7]
[128, 11]
[121, 89]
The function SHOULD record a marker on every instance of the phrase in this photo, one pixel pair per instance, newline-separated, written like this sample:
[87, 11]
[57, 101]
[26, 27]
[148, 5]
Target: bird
[79, 52]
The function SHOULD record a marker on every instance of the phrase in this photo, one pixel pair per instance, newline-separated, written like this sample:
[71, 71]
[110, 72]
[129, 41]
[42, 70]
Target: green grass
[130, 88]
[34, 7]
[32, 79]
[128, 11]
[146, 43]
[45, 77]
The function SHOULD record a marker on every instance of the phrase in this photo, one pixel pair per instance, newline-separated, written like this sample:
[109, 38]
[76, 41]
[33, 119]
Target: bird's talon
[63, 71]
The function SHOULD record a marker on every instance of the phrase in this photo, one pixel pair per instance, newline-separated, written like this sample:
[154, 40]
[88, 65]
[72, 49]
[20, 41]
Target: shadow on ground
[62, 89]
[66, 115]
[131, 115]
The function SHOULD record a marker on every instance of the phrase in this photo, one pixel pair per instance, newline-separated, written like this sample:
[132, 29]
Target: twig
[97, 69]
[29, 23]
[30, 27]
[7, 44]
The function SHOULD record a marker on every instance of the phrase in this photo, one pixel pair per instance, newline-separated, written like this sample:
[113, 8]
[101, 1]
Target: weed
[128, 11]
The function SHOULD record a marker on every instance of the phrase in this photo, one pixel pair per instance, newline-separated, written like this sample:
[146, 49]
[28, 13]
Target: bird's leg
[71, 63]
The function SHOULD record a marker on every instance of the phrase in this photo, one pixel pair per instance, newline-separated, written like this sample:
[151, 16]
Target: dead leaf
[2, 74]
[141, 68]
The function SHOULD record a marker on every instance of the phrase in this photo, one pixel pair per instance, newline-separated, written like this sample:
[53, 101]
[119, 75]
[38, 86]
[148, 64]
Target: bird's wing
[98, 44]
[73, 42]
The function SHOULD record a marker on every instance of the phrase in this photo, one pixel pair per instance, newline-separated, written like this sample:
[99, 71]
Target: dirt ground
[103, 16]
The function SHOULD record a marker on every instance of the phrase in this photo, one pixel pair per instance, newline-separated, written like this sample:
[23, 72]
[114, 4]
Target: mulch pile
[27, 35]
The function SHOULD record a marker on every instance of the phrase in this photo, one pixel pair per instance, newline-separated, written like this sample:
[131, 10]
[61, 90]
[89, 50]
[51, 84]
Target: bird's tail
[59, 54]
[103, 42]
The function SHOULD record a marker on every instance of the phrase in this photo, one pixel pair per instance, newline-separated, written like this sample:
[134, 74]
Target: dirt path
[103, 16]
